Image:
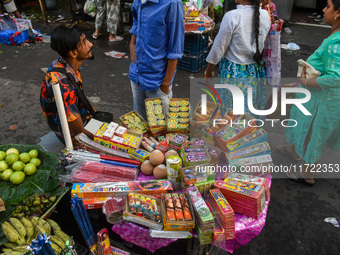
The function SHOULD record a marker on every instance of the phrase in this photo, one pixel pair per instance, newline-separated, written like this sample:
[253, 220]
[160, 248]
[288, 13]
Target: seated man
[73, 48]
[10, 8]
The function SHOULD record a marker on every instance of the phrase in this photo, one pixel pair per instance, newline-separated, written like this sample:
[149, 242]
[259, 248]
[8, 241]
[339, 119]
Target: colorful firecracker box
[204, 187]
[178, 141]
[170, 234]
[199, 173]
[199, 121]
[223, 212]
[255, 150]
[94, 202]
[135, 122]
[215, 153]
[259, 136]
[178, 213]
[178, 115]
[256, 165]
[219, 233]
[205, 220]
[156, 116]
[204, 237]
[109, 189]
[127, 141]
[243, 201]
[250, 179]
[140, 155]
[143, 210]
[116, 251]
[194, 155]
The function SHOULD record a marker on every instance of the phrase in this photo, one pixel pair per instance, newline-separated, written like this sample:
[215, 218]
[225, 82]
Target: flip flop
[294, 176]
[284, 151]
[94, 36]
[117, 39]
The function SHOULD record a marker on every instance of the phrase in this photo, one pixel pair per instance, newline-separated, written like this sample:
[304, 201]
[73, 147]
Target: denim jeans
[139, 97]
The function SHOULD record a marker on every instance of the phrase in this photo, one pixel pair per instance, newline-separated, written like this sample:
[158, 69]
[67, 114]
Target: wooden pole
[43, 10]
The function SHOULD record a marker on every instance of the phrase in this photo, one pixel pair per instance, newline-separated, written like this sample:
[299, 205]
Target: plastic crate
[193, 63]
[196, 43]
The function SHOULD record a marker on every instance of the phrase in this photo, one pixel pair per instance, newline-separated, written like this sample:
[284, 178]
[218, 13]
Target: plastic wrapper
[94, 172]
[41, 246]
[113, 209]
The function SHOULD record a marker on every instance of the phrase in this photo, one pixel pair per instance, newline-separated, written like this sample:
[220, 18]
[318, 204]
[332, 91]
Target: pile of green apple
[14, 166]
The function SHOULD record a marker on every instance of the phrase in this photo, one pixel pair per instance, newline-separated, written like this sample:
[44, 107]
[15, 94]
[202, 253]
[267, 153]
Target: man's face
[84, 48]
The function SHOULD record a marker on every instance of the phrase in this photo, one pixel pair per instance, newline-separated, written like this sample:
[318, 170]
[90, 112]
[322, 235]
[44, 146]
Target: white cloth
[311, 72]
[236, 37]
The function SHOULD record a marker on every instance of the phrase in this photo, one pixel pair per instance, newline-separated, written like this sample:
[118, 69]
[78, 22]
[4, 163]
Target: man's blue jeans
[139, 97]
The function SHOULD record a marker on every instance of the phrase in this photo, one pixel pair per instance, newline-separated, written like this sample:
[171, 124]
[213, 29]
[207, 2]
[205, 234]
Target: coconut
[156, 157]
[147, 167]
[170, 153]
[160, 172]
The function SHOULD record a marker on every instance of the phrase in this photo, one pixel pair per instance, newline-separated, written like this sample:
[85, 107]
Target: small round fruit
[11, 158]
[3, 165]
[170, 153]
[17, 177]
[35, 161]
[30, 169]
[2, 155]
[25, 157]
[12, 150]
[18, 166]
[6, 174]
[33, 153]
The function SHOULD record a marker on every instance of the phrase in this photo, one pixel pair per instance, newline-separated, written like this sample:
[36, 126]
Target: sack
[271, 57]
[103, 116]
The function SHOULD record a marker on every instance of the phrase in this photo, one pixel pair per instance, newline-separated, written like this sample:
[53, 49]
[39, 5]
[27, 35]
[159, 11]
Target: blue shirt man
[157, 43]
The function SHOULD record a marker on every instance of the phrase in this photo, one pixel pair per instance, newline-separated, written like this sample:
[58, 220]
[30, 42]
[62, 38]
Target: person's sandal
[294, 176]
[283, 149]
[94, 36]
[117, 39]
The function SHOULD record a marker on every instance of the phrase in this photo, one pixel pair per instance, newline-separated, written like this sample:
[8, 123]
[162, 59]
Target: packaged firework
[146, 211]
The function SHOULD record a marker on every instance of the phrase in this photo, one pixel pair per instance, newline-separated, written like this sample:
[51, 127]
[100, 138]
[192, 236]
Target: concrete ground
[295, 222]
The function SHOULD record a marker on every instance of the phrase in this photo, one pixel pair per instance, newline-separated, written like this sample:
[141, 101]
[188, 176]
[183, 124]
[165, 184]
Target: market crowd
[157, 43]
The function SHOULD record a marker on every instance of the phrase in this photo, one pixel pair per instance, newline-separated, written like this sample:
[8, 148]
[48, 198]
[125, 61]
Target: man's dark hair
[65, 39]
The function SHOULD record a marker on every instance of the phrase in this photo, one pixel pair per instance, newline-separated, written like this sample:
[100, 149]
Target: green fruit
[30, 169]
[12, 150]
[18, 166]
[11, 158]
[2, 155]
[25, 157]
[35, 161]
[6, 174]
[3, 165]
[33, 153]
[17, 177]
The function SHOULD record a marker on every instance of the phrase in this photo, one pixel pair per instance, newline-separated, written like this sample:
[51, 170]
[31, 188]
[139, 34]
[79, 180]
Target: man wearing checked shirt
[157, 43]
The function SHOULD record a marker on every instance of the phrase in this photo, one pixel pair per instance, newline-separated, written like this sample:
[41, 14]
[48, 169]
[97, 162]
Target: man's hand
[165, 87]
[133, 49]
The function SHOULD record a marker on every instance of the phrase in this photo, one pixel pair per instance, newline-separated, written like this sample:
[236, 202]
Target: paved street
[295, 222]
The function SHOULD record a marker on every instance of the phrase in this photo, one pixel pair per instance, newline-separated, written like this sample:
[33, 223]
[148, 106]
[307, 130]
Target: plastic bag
[93, 172]
[90, 7]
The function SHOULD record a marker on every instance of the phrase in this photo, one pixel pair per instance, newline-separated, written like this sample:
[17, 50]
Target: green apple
[33, 153]
[18, 166]
[6, 174]
[3, 165]
[17, 177]
[2, 155]
[11, 158]
[25, 157]
[30, 169]
[12, 150]
[36, 161]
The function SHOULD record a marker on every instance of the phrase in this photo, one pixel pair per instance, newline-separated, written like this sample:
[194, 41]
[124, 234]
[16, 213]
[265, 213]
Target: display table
[246, 229]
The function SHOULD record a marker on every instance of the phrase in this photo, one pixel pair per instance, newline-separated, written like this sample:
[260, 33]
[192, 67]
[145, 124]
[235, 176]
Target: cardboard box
[109, 189]
[156, 130]
[252, 151]
[95, 202]
[187, 163]
[174, 123]
[128, 216]
[125, 122]
[170, 234]
[256, 137]
[178, 225]
[116, 144]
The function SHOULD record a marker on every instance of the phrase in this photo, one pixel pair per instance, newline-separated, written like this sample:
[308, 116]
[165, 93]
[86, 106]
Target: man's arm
[133, 49]
[77, 127]
[171, 68]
